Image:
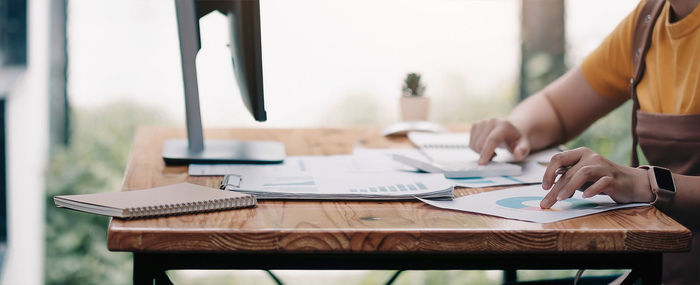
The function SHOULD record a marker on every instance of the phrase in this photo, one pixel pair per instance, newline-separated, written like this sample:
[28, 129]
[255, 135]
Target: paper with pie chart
[523, 203]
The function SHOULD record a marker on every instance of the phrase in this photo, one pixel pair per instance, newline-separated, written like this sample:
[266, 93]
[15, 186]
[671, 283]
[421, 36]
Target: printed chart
[532, 203]
[523, 203]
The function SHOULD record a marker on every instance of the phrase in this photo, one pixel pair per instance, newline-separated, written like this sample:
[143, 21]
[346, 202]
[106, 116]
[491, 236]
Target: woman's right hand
[486, 135]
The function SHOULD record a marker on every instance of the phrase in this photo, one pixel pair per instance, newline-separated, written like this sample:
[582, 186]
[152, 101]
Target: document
[523, 203]
[342, 186]
[366, 160]
[533, 166]
[361, 162]
[531, 174]
[338, 177]
[533, 170]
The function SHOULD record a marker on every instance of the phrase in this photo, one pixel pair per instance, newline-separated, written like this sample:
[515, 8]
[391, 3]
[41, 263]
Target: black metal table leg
[143, 272]
[150, 267]
[652, 269]
[647, 269]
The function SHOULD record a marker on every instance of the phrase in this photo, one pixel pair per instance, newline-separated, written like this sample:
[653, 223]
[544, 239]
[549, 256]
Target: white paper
[532, 173]
[533, 166]
[523, 203]
[292, 165]
[347, 186]
[381, 158]
[366, 175]
[455, 146]
[533, 170]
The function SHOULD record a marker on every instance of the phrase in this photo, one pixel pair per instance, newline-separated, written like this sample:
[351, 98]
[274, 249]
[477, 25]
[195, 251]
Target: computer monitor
[246, 56]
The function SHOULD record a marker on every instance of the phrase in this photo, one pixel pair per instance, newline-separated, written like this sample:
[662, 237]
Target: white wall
[323, 60]
[27, 148]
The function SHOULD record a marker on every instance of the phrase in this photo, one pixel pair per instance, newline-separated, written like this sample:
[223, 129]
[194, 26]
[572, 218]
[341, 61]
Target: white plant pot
[414, 108]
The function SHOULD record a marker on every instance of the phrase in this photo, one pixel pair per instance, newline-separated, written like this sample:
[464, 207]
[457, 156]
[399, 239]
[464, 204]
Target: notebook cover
[177, 196]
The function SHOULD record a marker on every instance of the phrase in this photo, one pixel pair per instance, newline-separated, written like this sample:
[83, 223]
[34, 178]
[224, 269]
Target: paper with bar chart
[523, 203]
[338, 177]
[347, 186]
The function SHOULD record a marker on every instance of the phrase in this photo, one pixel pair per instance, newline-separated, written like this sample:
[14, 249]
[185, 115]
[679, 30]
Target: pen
[562, 170]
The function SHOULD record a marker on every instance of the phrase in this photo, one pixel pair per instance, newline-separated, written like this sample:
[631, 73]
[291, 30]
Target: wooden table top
[367, 227]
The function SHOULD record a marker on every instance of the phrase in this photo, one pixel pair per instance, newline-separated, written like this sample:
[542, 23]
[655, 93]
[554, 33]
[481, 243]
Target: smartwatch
[662, 185]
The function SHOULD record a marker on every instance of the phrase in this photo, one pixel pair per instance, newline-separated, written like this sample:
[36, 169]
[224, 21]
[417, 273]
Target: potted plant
[414, 106]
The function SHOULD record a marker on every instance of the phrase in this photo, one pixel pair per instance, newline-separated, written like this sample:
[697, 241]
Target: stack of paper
[366, 174]
[350, 186]
[338, 177]
[533, 170]
[533, 166]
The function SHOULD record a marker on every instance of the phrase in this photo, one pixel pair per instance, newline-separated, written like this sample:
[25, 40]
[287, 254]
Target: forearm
[685, 205]
[536, 119]
[561, 111]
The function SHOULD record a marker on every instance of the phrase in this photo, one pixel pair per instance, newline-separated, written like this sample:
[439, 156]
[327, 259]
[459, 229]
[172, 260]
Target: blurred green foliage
[76, 243]
[448, 277]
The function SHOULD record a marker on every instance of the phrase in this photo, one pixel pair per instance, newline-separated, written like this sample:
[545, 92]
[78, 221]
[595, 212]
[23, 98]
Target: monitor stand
[195, 149]
[177, 151]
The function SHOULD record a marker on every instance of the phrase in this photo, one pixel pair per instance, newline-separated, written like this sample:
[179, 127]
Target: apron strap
[640, 45]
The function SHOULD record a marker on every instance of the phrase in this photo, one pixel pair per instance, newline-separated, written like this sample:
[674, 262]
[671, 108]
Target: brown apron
[671, 141]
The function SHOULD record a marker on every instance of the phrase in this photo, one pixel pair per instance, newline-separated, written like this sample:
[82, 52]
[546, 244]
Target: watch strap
[652, 183]
[659, 194]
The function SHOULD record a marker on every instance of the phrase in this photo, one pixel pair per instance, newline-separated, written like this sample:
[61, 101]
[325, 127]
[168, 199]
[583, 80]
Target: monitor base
[176, 151]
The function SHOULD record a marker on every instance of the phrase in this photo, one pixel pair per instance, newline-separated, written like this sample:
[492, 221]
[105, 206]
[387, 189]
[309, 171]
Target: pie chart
[532, 203]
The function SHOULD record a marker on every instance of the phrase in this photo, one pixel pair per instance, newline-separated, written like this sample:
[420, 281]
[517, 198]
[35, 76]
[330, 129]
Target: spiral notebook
[173, 199]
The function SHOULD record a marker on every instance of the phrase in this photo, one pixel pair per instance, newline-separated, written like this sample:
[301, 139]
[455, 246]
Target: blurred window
[13, 32]
[13, 59]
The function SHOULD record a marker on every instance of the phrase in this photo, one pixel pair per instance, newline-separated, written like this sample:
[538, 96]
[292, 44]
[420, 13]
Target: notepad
[173, 199]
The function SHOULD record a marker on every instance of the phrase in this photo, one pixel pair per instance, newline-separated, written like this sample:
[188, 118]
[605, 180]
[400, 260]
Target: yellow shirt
[671, 81]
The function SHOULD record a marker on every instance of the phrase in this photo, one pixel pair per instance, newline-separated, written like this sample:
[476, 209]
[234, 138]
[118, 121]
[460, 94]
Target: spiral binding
[191, 207]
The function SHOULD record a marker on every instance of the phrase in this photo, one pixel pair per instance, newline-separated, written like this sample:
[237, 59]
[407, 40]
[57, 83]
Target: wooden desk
[370, 235]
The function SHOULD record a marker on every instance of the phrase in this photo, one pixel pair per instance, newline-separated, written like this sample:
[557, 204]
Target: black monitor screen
[246, 55]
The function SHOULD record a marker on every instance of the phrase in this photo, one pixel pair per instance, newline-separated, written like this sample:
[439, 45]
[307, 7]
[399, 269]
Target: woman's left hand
[622, 183]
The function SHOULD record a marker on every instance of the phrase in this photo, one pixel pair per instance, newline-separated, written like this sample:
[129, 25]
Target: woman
[652, 58]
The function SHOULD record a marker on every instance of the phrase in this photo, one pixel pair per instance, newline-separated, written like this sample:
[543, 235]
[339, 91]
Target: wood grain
[383, 227]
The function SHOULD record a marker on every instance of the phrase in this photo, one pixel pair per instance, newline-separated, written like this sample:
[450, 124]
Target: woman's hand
[622, 183]
[486, 135]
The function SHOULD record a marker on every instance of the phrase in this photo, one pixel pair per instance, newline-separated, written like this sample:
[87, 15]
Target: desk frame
[386, 235]
[646, 266]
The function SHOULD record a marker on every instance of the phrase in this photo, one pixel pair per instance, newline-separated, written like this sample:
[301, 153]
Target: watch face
[664, 179]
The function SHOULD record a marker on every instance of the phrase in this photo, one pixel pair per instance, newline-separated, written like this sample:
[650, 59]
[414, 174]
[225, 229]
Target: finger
[549, 200]
[474, 135]
[551, 197]
[522, 148]
[493, 140]
[566, 158]
[598, 187]
[580, 177]
[486, 129]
